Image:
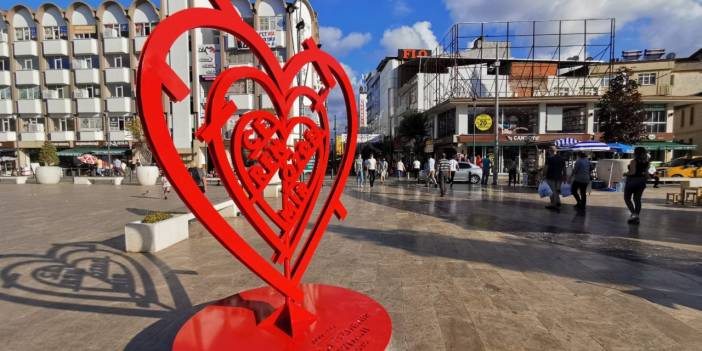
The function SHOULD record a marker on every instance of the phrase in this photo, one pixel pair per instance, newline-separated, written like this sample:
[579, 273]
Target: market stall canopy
[663, 145]
[621, 148]
[565, 143]
[7, 158]
[589, 146]
[98, 151]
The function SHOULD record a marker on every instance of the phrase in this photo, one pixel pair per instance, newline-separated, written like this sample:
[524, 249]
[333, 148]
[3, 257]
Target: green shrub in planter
[48, 155]
[156, 217]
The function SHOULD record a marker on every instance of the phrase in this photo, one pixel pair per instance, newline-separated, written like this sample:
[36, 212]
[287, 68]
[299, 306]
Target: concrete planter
[147, 175]
[154, 237]
[48, 174]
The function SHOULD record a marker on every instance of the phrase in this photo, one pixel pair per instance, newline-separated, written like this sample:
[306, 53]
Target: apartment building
[688, 126]
[67, 75]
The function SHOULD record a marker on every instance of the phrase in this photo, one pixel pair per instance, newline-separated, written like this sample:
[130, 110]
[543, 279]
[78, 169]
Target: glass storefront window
[520, 119]
[446, 123]
[656, 120]
[566, 119]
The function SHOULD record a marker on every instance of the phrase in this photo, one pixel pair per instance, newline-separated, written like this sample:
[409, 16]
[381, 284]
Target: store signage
[87, 143]
[530, 138]
[208, 61]
[269, 36]
[483, 122]
[298, 315]
[406, 54]
[61, 143]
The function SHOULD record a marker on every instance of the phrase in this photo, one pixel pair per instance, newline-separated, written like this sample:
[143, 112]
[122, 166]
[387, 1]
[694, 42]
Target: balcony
[63, 136]
[92, 135]
[57, 77]
[139, 44]
[87, 76]
[8, 136]
[5, 78]
[119, 105]
[116, 45]
[33, 136]
[58, 106]
[26, 48]
[55, 47]
[88, 106]
[117, 75]
[243, 101]
[4, 50]
[29, 107]
[266, 102]
[85, 47]
[120, 135]
[28, 77]
[6, 107]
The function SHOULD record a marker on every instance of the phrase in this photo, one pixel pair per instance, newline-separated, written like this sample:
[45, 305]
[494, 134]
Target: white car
[467, 172]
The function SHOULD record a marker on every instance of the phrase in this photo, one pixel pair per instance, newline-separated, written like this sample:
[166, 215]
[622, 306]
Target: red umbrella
[87, 159]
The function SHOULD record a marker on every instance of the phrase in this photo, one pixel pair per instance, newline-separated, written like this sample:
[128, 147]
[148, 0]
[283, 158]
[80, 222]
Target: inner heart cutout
[262, 133]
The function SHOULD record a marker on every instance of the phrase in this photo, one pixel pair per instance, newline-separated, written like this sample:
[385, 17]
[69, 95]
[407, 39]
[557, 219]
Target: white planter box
[147, 175]
[48, 175]
[142, 237]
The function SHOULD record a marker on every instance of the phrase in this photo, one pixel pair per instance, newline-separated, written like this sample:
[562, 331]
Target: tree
[48, 155]
[621, 111]
[413, 130]
[140, 143]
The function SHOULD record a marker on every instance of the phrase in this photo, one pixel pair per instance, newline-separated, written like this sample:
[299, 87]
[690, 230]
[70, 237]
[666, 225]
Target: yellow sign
[340, 145]
[483, 122]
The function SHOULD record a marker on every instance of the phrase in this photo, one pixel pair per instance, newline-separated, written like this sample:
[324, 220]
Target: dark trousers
[633, 191]
[512, 177]
[371, 177]
[453, 175]
[442, 183]
[580, 193]
[486, 176]
[656, 181]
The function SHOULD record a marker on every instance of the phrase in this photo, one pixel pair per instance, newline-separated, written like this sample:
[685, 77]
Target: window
[3, 35]
[26, 64]
[87, 91]
[25, 33]
[55, 32]
[58, 62]
[647, 78]
[144, 29]
[241, 87]
[5, 93]
[33, 124]
[63, 124]
[91, 123]
[271, 23]
[4, 64]
[656, 120]
[119, 123]
[118, 92]
[682, 117]
[55, 92]
[692, 116]
[566, 119]
[85, 62]
[7, 125]
[28, 93]
[446, 123]
[117, 62]
[116, 30]
[85, 36]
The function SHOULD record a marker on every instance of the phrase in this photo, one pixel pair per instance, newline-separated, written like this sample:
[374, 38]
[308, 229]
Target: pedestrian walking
[98, 167]
[487, 165]
[400, 168]
[581, 179]
[512, 166]
[198, 175]
[358, 169]
[555, 174]
[444, 173]
[479, 161]
[431, 172]
[453, 168]
[383, 170]
[166, 186]
[653, 173]
[117, 167]
[416, 166]
[372, 166]
[636, 178]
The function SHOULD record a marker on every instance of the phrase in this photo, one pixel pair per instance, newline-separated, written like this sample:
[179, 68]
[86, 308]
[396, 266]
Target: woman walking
[636, 179]
[581, 179]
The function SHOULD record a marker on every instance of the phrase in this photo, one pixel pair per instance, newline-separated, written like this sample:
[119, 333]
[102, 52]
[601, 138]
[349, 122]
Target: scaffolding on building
[520, 59]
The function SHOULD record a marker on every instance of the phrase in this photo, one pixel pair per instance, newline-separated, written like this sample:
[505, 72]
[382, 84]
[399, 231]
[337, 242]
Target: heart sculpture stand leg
[328, 318]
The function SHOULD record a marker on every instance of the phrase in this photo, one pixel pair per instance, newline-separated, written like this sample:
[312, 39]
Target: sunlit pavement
[479, 269]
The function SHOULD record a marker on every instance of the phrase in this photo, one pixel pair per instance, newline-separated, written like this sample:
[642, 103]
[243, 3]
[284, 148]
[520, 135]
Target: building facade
[67, 75]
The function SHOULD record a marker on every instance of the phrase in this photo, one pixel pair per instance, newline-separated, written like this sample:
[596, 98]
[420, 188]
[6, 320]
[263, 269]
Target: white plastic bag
[545, 190]
[566, 190]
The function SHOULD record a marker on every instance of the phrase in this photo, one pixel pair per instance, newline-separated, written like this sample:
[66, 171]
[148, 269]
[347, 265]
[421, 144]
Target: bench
[92, 180]
[13, 179]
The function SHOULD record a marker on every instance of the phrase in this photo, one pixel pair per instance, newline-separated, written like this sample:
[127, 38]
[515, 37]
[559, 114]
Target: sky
[359, 33]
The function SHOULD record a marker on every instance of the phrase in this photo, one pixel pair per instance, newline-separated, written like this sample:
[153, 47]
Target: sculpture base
[343, 319]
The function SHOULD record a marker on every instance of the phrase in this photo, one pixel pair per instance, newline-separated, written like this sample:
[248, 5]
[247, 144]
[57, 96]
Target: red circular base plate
[343, 320]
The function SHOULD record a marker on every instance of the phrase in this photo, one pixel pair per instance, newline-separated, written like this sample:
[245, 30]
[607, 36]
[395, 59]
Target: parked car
[689, 169]
[467, 172]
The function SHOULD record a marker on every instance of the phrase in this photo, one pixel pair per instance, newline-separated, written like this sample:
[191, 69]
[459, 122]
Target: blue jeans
[359, 179]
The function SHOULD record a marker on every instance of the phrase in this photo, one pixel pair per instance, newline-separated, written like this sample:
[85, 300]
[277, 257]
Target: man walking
[358, 169]
[416, 166]
[554, 173]
[512, 166]
[444, 173]
[453, 165]
[486, 170]
[431, 171]
[400, 169]
[372, 166]
[581, 179]
[383, 170]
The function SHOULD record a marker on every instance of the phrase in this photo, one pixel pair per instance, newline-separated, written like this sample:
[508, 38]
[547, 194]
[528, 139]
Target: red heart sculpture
[265, 137]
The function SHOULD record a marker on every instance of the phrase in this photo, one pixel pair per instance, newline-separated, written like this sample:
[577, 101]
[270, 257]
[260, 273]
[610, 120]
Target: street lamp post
[475, 101]
[496, 165]
[109, 152]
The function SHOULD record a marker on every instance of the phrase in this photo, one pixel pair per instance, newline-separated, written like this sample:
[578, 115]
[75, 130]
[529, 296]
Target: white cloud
[334, 41]
[400, 8]
[419, 36]
[670, 24]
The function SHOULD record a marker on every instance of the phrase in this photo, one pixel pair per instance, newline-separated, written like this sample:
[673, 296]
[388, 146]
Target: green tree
[413, 131]
[621, 112]
[140, 144]
[48, 155]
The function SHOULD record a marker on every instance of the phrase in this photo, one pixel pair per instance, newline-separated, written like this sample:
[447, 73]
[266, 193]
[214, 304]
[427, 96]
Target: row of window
[110, 30]
[62, 92]
[62, 62]
[64, 124]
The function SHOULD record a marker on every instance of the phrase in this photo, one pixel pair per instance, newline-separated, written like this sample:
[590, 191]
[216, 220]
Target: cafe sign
[483, 122]
[526, 138]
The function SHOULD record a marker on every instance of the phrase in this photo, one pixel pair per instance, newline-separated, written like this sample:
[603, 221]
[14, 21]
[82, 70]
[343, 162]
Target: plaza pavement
[481, 269]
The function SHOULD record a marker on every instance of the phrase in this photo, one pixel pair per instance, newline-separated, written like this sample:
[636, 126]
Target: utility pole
[496, 163]
[475, 101]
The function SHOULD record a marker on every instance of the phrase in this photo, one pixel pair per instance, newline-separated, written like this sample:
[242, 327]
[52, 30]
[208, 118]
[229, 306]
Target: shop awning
[662, 145]
[97, 151]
